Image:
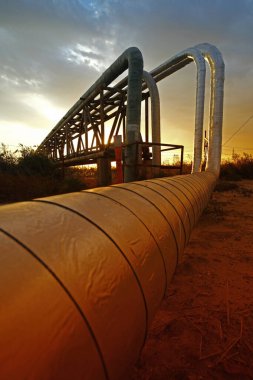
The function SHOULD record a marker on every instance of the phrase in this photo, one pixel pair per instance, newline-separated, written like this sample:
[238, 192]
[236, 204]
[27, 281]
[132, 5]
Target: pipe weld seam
[68, 293]
[203, 185]
[157, 180]
[200, 183]
[137, 217]
[192, 191]
[179, 216]
[157, 208]
[116, 245]
[186, 196]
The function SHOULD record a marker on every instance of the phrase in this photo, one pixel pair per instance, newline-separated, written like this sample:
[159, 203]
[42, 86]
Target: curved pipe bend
[217, 67]
[155, 115]
[177, 62]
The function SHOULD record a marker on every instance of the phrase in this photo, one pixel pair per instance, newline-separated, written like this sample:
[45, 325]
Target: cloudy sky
[53, 50]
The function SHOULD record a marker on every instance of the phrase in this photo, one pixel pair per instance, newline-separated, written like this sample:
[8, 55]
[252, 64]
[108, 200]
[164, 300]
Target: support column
[104, 174]
[118, 156]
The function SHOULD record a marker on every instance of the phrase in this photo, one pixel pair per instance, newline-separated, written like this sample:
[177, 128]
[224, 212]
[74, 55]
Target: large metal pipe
[79, 287]
[214, 57]
[177, 62]
[169, 67]
[155, 115]
[217, 67]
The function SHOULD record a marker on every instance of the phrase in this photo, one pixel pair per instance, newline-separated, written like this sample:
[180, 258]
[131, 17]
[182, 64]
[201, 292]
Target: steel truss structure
[83, 135]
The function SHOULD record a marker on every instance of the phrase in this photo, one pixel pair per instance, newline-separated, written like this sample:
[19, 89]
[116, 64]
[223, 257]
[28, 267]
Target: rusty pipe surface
[79, 287]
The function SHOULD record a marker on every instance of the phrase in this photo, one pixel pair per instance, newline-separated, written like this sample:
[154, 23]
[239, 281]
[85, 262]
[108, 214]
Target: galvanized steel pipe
[83, 274]
[217, 67]
[155, 115]
[169, 67]
[177, 62]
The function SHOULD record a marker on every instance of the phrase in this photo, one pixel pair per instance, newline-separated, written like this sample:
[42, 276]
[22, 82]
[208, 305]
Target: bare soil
[204, 328]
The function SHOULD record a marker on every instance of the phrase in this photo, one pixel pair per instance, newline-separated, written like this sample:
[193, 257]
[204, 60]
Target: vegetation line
[26, 174]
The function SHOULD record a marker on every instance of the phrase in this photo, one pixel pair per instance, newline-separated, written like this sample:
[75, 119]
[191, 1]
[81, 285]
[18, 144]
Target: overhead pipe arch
[167, 68]
[174, 64]
[213, 56]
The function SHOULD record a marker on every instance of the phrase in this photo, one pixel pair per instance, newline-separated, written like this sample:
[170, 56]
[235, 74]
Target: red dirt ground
[204, 328]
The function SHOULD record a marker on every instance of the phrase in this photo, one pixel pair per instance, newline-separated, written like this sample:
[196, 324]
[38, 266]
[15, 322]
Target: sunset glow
[53, 52]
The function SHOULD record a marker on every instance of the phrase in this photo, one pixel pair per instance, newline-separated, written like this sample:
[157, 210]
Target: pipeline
[82, 274]
[155, 115]
[180, 60]
[198, 54]
[79, 287]
[167, 68]
[174, 64]
[217, 67]
[214, 58]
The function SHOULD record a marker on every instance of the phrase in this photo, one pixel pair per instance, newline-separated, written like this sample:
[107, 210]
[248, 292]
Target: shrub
[26, 174]
[8, 160]
[241, 167]
[33, 163]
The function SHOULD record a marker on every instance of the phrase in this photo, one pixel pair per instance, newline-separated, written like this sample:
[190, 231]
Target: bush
[241, 167]
[26, 174]
[34, 164]
[8, 160]
[230, 172]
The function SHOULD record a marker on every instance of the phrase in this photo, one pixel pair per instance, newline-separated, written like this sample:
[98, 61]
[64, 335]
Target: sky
[53, 50]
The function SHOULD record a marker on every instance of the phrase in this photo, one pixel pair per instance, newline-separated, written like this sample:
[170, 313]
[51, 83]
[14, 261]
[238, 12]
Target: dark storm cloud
[58, 48]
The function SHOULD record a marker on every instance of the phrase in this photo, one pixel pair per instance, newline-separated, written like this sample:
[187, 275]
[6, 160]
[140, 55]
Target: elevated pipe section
[169, 67]
[79, 286]
[196, 54]
[217, 68]
[213, 56]
[155, 115]
[131, 59]
[174, 64]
